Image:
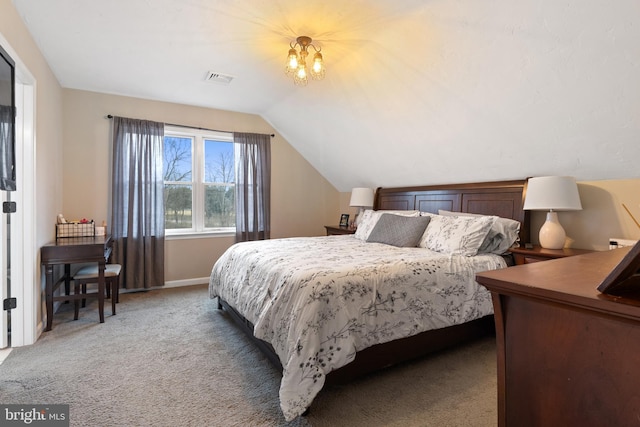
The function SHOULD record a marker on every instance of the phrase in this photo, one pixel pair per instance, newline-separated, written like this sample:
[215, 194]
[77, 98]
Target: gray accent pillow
[370, 219]
[397, 230]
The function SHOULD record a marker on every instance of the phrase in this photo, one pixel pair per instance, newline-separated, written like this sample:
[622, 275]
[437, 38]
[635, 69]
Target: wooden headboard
[501, 198]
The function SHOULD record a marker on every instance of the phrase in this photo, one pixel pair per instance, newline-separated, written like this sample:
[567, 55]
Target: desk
[567, 354]
[67, 251]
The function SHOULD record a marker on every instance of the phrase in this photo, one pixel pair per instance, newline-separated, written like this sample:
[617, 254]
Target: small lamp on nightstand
[552, 193]
[361, 198]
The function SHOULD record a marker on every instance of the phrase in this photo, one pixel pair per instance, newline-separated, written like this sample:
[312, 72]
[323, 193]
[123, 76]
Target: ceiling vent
[224, 79]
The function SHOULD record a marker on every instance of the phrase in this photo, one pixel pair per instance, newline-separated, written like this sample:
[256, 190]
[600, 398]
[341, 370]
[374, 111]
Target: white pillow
[504, 233]
[371, 217]
[456, 235]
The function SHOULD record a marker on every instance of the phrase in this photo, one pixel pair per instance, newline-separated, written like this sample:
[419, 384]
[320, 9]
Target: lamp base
[552, 235]
[359, 216]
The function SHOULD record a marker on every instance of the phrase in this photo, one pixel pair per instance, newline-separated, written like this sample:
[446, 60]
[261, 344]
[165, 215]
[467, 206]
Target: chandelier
[297, 62]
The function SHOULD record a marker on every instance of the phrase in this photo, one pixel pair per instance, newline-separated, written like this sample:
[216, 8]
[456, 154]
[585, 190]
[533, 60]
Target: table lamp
[361, 198]
[552, 193]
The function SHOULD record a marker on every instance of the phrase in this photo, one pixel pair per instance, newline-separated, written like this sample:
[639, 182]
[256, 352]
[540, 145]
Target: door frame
[25, 270]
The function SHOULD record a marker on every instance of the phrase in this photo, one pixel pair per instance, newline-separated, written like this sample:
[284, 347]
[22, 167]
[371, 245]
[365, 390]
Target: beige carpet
[170, 358]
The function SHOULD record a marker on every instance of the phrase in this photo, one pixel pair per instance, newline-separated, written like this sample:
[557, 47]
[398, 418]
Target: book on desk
[624, 279]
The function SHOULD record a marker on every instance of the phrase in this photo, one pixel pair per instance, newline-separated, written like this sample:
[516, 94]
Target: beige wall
[48, 116]
[302, 200]
[602, 215]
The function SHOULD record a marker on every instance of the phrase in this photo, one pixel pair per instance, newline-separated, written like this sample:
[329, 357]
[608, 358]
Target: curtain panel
[137, 222]
[7, 154]
[253, 186]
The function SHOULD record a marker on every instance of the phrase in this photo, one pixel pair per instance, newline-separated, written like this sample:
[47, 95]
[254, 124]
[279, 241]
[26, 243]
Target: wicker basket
[75, 230]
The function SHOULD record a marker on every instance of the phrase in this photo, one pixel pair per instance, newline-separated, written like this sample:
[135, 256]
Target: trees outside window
[199, 179]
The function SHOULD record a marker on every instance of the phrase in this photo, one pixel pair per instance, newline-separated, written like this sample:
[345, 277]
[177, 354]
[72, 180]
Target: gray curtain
[137, 222]
[253, 186]
[7, 154]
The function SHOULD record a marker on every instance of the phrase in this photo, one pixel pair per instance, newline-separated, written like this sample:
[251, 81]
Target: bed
[327, 309]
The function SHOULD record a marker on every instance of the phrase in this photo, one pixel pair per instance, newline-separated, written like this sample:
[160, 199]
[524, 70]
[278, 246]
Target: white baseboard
[4, 353]
[185, 282]
[171, 284]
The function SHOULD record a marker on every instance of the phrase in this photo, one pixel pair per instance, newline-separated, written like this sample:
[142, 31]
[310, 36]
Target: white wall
[465, 91]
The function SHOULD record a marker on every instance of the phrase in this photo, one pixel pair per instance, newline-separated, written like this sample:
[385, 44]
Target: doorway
[19, 270]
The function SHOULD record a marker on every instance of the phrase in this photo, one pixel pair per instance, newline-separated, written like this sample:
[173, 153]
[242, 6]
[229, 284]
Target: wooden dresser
[568, 355]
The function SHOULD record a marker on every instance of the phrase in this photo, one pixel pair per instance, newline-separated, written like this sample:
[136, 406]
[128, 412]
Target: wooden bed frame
[502, 198]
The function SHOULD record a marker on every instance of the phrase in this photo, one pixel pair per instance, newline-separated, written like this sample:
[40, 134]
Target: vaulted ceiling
[416, 91]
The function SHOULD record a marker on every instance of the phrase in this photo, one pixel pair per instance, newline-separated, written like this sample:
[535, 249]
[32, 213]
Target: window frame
[198, 184]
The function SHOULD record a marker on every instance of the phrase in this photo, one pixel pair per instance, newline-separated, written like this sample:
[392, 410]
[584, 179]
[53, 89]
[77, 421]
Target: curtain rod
[192, 127]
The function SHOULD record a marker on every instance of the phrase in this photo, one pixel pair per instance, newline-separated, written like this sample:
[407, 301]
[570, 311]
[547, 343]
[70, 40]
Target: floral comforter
[318, 300]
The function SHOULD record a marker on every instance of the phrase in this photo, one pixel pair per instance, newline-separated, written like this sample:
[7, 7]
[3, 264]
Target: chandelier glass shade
[297, 62]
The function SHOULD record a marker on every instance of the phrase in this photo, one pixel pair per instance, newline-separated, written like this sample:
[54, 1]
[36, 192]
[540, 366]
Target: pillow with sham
[398, 230]
[370, 218]
[504, 234]
[456, 235]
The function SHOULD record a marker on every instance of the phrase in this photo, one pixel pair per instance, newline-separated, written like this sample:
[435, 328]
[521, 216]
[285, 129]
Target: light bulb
[302, 72]
[317, 71]
[292, 61]
[300, 77]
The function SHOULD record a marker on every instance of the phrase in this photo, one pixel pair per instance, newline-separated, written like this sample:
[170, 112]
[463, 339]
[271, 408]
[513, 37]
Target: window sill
[198, 235]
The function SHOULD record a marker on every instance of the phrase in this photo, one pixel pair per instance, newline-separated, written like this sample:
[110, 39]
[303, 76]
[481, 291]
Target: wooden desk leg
[101, 290]
[67, 280]
[114, 292]
[49, 295]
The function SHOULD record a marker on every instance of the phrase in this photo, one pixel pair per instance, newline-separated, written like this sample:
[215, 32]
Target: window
[199, 181]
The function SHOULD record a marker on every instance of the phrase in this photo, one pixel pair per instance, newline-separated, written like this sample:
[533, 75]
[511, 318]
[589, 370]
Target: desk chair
[89, 274]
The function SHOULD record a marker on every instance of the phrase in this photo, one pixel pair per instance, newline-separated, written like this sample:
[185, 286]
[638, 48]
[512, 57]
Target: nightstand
[334, 230]
[523, 255]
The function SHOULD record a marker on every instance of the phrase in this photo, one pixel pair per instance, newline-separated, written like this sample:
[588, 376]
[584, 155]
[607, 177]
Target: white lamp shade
[557, 193]
[361, 197]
